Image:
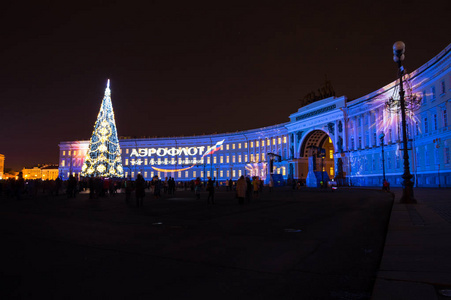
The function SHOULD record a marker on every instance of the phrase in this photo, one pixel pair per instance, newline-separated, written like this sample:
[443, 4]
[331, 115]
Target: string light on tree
[103, 158]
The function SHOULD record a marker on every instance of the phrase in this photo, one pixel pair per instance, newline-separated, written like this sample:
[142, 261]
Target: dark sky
[184, 67]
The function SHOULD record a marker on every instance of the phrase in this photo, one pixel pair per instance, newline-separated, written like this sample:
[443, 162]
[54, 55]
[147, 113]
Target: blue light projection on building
[342, 136]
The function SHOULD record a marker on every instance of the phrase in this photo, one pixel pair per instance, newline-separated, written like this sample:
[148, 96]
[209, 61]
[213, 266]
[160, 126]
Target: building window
[126, 161]
[63, 162]
[389, 162]
[360, 142]
[239, 158]
[133, 174]
[214, 159]
[252, 157]
[352, 143]
[245, 158]
[221, 159]
[443, 88]
[257, 144]
[252, 144]
[227, 159]
[397, 161]
[268, 142]
[447, 158]
[239, 173]
[68, 153]
[331, 171]
[126, 151]
[227, 147]
[273, 142]
[233, 173]
[152, 174]
[194, 174]
[433, 93]
[417, 127]
[426, 127]
[233, 146]
[208, 173]
[239, 145]
[445, 118]
[424, 97]
[208, 160]
[331, 154]
[284, 139]
[221, 173]
[279, 140]
[374, 139]
[245, 145]
[390, 135]
[64, 153]
[233, 159]
[186, 174]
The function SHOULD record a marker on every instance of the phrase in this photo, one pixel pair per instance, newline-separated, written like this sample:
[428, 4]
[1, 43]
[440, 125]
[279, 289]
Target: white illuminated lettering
[184, 150]
[161, 151]
[173, 151]
[134, 153]
[192, 151]
[142, 151]
[201, 150]
[152, 151]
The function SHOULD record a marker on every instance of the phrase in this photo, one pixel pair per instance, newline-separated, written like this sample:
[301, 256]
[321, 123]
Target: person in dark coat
[156, 187]
[140, 187]
[249, 189]
[211, 190]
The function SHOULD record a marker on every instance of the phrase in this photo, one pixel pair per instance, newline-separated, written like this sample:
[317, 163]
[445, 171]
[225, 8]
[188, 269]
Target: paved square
[286, 244]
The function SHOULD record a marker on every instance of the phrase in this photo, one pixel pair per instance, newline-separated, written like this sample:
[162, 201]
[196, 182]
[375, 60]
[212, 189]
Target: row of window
[191, 174]
[173, 161]
[435, 123]
[389, 136]
[433, 94]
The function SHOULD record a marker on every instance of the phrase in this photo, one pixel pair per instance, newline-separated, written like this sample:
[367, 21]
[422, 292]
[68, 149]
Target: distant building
[44, 172]
[2, 166]
[49, 172]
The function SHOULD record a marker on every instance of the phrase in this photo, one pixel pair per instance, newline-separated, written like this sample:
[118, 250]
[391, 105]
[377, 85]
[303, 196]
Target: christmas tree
[103, 158]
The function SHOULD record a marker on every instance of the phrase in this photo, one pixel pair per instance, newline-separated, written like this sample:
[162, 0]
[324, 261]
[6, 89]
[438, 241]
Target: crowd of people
[245, 188]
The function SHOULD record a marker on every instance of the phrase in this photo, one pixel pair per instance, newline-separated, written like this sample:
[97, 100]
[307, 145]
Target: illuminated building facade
[2, 165]
[333, 137]
[46, 172]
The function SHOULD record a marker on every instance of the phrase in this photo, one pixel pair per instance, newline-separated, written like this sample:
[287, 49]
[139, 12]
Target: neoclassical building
[332, 137]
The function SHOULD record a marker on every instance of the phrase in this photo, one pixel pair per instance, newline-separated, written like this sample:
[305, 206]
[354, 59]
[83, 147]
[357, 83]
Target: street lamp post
[381, 136]
[407, 192]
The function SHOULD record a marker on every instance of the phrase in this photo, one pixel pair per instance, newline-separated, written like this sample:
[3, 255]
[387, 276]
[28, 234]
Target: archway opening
[316, 158]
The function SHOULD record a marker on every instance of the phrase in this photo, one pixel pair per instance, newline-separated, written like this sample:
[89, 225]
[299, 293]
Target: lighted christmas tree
[103, 158]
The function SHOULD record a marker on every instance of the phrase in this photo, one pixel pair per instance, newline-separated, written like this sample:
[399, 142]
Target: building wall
[243, 153]
[2, 165]
[354, 128]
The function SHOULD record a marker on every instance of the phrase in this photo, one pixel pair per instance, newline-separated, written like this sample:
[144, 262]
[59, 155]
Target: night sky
[184, 68]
